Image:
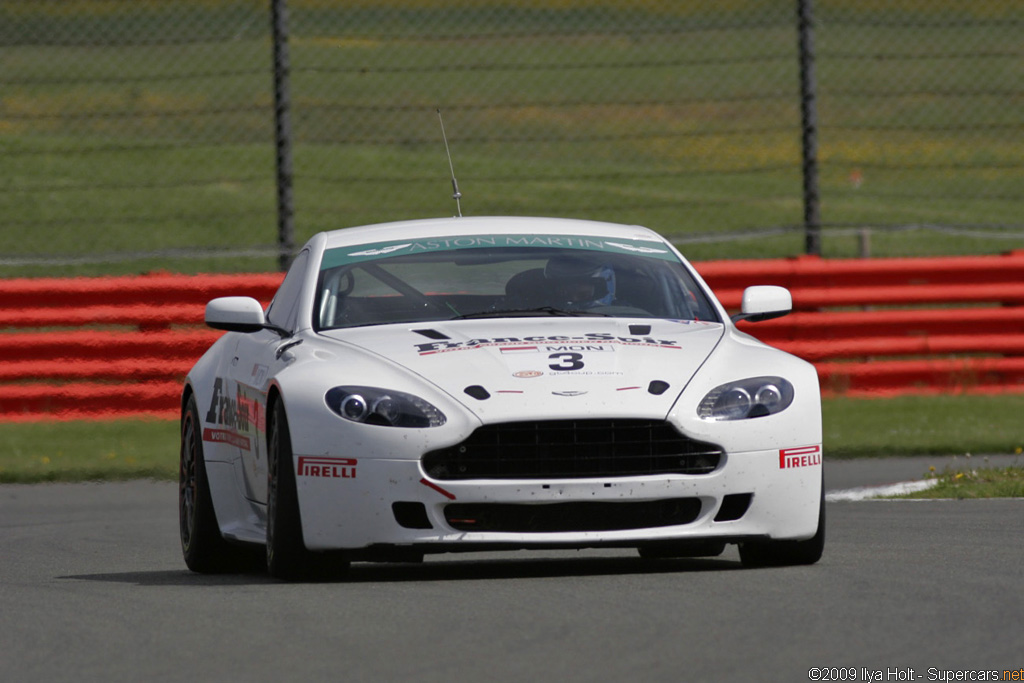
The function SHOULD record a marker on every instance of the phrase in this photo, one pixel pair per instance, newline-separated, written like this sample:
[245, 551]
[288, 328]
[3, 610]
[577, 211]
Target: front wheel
[787, 553]
[287, 556]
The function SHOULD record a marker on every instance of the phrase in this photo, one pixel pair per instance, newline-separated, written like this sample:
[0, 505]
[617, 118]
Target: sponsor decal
[639, 250]
[804, 456]
[593, 341]
[239, 416]
[326, 468]
[240, 412]
[382, 251]
[259, 373]
[581, 347]
[568, 393]
[519, 349]
[447, 494]
[563, 358]
[224, 436]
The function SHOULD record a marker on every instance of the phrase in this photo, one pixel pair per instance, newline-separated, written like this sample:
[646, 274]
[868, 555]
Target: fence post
[809, 125]
[283, 135]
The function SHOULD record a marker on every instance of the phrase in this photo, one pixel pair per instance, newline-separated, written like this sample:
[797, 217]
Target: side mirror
[235, 314]
[764, 302]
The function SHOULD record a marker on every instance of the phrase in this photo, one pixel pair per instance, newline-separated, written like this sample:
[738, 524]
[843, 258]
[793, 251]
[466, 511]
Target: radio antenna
[456, 195]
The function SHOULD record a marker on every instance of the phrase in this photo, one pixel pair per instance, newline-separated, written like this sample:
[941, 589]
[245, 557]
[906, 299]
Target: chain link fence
[140, 134]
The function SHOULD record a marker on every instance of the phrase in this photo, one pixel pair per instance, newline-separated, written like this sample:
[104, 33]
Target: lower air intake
[556, 517]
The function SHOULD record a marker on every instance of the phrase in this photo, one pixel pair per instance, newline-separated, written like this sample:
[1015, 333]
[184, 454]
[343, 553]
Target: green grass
[129, 449]
[922, 425]
[986, 482]
[682, 118]
[86, 451]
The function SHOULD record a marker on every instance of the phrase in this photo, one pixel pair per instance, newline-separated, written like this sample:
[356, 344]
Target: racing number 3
[569, 361]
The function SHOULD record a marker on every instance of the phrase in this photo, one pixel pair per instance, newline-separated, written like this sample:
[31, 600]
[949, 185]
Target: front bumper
[351, 504]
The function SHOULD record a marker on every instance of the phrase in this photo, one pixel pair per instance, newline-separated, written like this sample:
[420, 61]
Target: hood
[529, 368]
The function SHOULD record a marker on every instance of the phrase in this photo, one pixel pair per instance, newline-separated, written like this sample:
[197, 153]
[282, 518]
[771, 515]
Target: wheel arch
[273, 398]
[186, 393]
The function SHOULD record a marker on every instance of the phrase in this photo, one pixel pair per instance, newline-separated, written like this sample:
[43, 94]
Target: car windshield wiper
[527, 312]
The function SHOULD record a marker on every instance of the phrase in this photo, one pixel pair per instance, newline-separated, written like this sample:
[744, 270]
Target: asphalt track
[94, 588]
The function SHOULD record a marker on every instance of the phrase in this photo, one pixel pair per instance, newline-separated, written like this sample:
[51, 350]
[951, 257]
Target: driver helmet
[581, 281]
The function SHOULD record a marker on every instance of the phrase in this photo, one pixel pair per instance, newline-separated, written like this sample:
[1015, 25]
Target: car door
[257, 359]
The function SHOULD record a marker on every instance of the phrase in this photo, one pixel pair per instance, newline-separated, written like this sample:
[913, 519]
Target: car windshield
[499, 276]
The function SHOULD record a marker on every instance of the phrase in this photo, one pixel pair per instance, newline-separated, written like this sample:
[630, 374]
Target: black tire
[202, 545]
[287, 556]
[787, 553]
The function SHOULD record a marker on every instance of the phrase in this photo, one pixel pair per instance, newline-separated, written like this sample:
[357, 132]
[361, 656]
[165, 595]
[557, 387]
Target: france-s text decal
[235, 417]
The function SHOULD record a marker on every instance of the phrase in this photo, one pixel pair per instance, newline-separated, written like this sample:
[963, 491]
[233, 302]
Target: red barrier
[145, 316]
[859, 347]
[107, 347]
[813, 271]
[100, 348]
[892, 323]
[107, 344]
[120, 369]
[884, 326]
[86, 401]
[930, 376]
[811, 298]
[149, 290]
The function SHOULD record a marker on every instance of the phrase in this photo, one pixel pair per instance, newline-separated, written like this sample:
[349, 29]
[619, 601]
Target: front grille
[559, 517]
[572, 449]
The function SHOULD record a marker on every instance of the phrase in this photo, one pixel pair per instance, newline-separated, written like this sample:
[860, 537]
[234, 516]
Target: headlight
[747, 398]
[383, 407]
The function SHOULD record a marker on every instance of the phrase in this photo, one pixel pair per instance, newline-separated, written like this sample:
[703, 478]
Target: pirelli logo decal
[326, 468]
[804, 456]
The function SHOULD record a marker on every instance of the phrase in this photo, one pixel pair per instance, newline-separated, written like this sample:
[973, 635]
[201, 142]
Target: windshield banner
[368, 252]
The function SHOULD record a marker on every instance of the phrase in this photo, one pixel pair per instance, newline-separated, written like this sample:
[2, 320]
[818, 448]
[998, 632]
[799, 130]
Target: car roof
[488, 225]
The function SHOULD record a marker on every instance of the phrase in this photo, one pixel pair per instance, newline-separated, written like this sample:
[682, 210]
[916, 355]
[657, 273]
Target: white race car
[495, 383]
